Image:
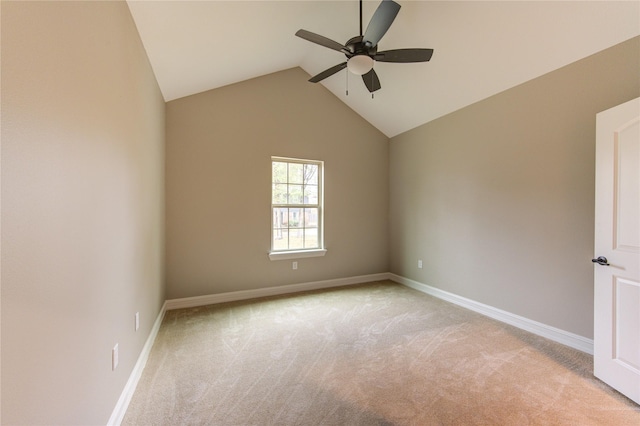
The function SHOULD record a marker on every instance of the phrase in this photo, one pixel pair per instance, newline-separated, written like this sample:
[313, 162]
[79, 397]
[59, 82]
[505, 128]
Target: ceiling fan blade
[404, 55]
[371, 81]
[321, 40]
[380, 22]
[328, 72]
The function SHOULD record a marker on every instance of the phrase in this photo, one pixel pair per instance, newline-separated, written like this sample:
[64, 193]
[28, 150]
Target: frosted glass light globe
[360, 64]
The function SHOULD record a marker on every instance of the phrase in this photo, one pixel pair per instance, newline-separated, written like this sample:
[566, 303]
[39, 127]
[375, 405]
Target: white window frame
[300, 253]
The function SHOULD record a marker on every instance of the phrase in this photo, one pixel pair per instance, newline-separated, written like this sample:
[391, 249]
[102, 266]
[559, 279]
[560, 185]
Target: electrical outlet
[114, 357]
[419, 264]
[137, 320]
[295, 265]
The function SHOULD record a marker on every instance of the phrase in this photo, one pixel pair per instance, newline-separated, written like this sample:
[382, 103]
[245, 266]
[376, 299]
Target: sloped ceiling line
[481, 47]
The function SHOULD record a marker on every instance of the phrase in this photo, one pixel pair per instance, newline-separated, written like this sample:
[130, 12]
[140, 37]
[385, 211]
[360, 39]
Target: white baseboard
[557, 335]
[211, 299]
[564, 337]
[125, 398]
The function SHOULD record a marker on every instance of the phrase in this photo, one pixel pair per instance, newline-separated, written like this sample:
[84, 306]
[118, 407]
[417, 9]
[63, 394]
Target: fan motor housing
[357, 47]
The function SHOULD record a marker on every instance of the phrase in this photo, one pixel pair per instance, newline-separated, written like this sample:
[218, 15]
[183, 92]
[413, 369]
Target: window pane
[295, 173]
[311, 174]
[311, 194]
[295, 218]
[279, 193]
[296, 239]
[311, 238]
[310, 218]
[280, 217]
[280, 239]
[278, 172]
[295, 194]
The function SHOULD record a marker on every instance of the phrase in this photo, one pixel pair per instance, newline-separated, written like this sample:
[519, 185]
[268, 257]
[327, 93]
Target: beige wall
[497, 199]
[218, 185]
[82, 208]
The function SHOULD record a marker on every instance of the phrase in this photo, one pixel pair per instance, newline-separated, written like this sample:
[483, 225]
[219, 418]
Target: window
[296, 208]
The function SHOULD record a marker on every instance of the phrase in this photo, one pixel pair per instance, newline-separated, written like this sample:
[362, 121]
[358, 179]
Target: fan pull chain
[372, 82]
[347, 74]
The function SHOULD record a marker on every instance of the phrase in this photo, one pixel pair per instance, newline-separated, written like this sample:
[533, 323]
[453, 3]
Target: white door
[617, 245]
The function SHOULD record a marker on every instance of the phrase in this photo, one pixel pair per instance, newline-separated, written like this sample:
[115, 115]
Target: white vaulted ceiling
[481, 47]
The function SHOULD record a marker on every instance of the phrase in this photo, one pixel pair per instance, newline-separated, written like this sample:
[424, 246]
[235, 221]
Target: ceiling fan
[362, 51]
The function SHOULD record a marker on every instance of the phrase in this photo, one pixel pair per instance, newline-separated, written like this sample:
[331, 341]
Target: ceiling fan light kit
[362, 51]
[360, 64]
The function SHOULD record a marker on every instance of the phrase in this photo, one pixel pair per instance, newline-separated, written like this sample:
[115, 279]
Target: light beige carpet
[373, 354]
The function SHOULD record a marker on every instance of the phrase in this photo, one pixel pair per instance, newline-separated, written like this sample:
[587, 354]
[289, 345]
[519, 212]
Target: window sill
[284, 255]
